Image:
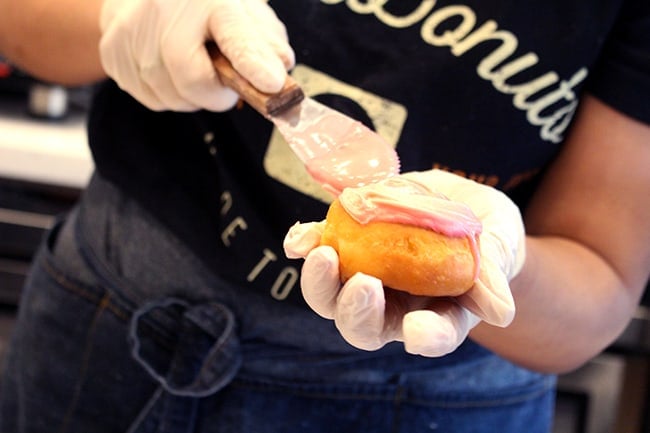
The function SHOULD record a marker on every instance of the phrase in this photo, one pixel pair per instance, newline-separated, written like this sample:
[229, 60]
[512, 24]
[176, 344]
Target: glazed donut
[410, 237]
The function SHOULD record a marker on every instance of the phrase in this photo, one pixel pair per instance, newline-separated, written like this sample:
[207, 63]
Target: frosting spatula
[337, 151]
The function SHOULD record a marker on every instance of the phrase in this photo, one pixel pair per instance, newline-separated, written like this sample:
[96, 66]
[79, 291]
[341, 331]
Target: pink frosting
[359, 158]
[404, 201]
[338, 151]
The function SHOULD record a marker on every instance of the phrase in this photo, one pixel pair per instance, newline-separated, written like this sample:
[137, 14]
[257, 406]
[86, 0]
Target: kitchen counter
[44, 165]
[52, 152]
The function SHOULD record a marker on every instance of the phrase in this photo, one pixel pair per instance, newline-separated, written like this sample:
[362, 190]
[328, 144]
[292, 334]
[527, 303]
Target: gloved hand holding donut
[369, 315]
[155, 50]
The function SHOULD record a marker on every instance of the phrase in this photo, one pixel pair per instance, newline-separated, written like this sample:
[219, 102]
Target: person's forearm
[570, 306]
[587, 251]
[54, 41]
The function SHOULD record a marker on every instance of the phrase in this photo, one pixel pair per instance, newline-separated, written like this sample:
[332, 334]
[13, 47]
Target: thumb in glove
[502, 243]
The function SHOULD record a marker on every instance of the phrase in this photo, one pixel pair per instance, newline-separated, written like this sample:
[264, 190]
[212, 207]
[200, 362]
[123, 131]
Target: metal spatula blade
[337, 150]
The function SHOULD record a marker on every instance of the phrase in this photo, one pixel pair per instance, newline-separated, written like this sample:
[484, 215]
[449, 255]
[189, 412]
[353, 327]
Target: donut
[412, 238]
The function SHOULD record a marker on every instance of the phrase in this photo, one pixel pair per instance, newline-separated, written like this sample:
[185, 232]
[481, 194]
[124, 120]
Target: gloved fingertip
[364, 343]
[319, 281]
[269, 82]
[321, 260]
[429, 334]
[262, 67]
[360, 312]
[363, 290]
[284, 52]
[301, 239]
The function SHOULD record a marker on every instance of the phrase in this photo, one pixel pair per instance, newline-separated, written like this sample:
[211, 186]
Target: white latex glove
[368, 316]
[154, 49]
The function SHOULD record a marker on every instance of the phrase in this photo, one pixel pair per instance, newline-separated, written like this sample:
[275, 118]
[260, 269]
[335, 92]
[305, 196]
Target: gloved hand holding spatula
[155, 50]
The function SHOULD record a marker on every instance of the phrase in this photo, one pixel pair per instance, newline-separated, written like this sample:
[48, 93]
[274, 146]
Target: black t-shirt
[486, 90]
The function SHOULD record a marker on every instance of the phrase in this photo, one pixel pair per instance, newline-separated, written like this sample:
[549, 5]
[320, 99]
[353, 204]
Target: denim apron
[121, 329]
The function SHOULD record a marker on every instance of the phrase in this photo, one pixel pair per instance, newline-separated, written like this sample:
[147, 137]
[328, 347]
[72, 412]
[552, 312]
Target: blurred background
[45, 163]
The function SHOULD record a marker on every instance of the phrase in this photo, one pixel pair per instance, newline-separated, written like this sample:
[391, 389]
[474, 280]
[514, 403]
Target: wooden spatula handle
[268, 104]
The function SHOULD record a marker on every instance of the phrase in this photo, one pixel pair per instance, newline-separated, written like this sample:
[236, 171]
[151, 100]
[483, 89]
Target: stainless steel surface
[43, 150]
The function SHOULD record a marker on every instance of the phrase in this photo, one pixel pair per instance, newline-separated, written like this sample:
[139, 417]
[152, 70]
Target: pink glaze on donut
[404, 201]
